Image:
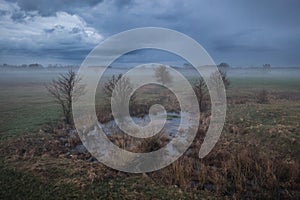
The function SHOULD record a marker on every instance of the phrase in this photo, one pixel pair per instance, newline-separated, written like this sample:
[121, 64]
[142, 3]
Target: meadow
[256, 157]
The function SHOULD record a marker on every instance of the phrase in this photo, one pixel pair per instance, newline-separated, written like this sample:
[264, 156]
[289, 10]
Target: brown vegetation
[262, 97]
[231, 169]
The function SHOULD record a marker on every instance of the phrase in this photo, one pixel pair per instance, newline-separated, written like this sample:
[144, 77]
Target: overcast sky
[240, 32]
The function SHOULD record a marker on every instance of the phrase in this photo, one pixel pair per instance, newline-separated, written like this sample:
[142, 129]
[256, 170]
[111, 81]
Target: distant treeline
[37, 66]
[184, 66]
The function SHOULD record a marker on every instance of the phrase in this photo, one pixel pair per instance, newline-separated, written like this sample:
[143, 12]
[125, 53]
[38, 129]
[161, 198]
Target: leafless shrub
[63, 91]
[262, 97]
[162, 75]
[219, 81]
[201, 93]
[123, 90]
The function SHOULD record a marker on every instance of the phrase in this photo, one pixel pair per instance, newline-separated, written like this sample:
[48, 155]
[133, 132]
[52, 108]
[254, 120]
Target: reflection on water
[170, 128]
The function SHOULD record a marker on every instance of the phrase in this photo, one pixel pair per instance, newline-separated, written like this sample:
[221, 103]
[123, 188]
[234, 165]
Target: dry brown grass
[236, 171]
[231, 170]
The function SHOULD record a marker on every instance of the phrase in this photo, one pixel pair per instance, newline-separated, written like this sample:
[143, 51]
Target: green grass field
[273, 84]
[25, 108]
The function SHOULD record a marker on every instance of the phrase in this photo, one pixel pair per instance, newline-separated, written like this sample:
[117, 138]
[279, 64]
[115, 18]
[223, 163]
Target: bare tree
[63, 90]
[219, 75]
[201, 93]
[267, 66]
[122, 88]
[162, 75]
[224, 65]
[219, 81]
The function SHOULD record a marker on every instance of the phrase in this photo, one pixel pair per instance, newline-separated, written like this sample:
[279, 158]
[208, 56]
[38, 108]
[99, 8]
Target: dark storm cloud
[123, 3]
[239, 32]
[18, 17]
[46, 7]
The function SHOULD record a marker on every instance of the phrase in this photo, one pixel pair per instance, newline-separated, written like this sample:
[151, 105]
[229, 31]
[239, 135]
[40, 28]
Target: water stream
[170, 127]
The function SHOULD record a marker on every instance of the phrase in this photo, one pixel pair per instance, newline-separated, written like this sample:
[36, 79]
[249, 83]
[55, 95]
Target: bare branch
[63, 90]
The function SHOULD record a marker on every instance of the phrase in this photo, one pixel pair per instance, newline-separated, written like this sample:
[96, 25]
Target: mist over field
[251, 76]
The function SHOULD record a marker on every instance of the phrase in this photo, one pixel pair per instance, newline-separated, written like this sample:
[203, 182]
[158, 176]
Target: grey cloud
[18, 16]
[3, 12]
[46, 7]
[123, 3]
[75, 30]
[50, 30]
[61, 36]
